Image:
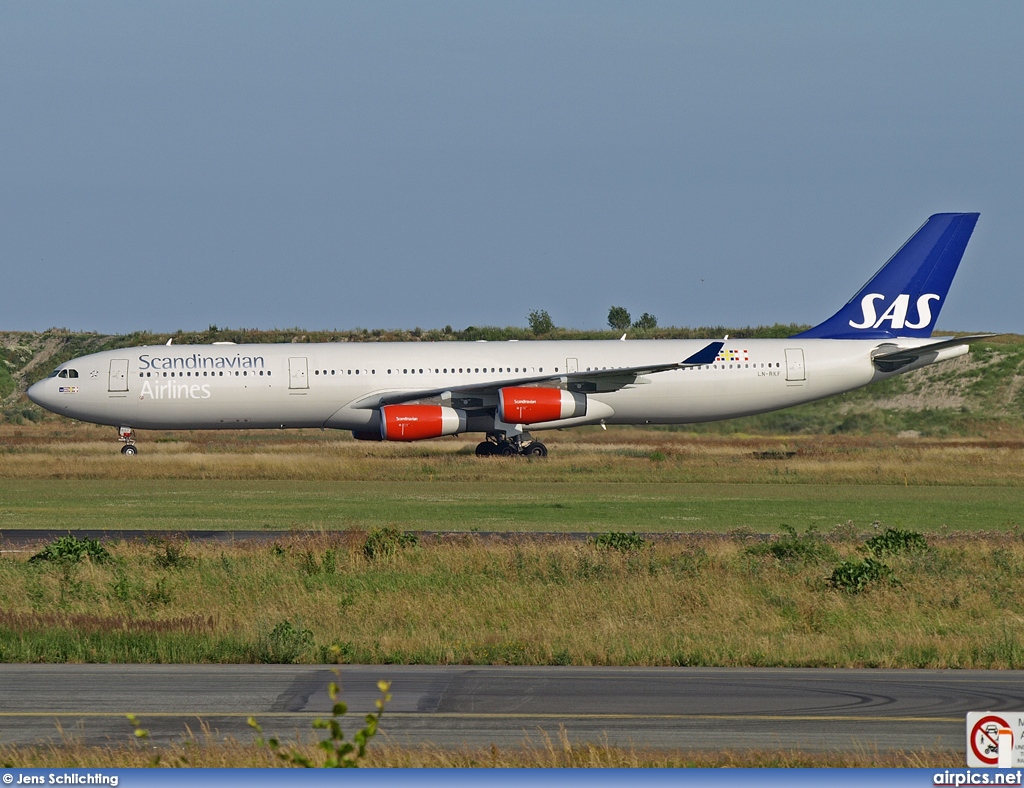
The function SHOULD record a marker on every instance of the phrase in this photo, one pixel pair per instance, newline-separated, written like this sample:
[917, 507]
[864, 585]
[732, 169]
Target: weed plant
[70, 550]
[386, 542]
[894, 541]
[810, 548]
[855, 577]
[617, 540]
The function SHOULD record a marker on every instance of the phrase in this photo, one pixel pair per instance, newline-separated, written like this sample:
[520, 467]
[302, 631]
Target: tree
[646, 322]
[618, 318]
[540, 322]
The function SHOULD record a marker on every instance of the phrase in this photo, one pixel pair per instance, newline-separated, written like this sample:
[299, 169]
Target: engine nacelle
[533, 405]
[418, 422]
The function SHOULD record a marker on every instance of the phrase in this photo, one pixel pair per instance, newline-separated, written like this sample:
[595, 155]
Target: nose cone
[41, 393]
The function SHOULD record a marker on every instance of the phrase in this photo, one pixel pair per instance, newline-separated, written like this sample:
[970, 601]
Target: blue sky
[169, 165]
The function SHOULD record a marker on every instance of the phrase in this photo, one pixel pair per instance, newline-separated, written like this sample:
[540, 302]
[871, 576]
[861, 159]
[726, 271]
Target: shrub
[170, 554]
[386, 542]
[70, 550]
[619, 319]
[853, 577]
[807, 549]
[895, 541]
[287, 643]
[540, 322]
[617, 540]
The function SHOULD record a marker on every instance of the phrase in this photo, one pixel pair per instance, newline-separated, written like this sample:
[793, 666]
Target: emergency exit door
[795, 366]
[298, 373]
[118, 380]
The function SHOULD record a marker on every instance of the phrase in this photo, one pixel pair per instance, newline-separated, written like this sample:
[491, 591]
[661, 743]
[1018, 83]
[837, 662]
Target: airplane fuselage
[327, 385]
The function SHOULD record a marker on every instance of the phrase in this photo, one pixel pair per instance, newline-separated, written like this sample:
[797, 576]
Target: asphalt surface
[687, 708]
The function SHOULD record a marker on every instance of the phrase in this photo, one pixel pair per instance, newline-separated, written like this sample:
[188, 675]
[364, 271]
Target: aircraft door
[118, 380]
[298, 373]
[795, 365]
[572, 365]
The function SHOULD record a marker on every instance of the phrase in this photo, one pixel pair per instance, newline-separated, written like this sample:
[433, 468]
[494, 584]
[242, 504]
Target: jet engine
[417, 422]
[534, 405]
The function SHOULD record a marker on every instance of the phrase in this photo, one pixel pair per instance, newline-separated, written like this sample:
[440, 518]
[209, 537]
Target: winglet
[705, 355]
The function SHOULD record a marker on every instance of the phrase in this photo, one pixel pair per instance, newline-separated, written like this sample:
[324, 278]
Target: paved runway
[688, 708]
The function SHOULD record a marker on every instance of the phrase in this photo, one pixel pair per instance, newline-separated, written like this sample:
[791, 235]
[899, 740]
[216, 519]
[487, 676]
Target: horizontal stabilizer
[890, 358]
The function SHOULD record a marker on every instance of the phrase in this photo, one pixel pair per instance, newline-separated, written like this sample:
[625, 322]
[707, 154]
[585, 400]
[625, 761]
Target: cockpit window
[72, 373]
[64, 373]
[55, 373]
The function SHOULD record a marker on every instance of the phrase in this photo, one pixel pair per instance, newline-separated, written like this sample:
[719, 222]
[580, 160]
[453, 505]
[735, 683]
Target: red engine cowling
[535, 405]
[418, 422]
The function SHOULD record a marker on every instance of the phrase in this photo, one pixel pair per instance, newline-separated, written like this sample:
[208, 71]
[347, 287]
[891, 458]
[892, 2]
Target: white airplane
[405, 391]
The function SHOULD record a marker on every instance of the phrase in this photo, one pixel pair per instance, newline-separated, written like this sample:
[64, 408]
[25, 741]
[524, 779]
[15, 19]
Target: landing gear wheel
[536, 449]
[506, 450]
[129, 450]
[485, 449]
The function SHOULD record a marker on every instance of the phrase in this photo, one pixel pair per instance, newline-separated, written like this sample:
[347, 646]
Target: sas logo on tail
[896, 314]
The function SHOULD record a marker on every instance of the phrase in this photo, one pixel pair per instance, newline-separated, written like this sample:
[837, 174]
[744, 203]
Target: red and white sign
[994, 739]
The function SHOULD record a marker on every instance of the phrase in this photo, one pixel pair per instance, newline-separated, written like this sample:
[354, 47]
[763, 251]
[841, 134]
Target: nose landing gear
[127, 436]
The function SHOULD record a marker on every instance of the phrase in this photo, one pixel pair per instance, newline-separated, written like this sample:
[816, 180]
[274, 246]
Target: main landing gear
[500, 445]
[127, 436]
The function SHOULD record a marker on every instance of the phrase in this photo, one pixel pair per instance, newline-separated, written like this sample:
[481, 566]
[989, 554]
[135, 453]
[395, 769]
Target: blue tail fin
[904, 298]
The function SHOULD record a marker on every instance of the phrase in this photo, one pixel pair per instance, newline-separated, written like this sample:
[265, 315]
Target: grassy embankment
[682, 601]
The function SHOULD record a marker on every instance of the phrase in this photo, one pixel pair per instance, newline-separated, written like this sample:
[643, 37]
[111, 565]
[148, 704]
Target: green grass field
[191, 504]
[627, 479]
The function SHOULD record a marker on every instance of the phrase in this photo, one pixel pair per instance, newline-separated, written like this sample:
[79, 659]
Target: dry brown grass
[541, 751]
[84, 451]
[683, 601]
